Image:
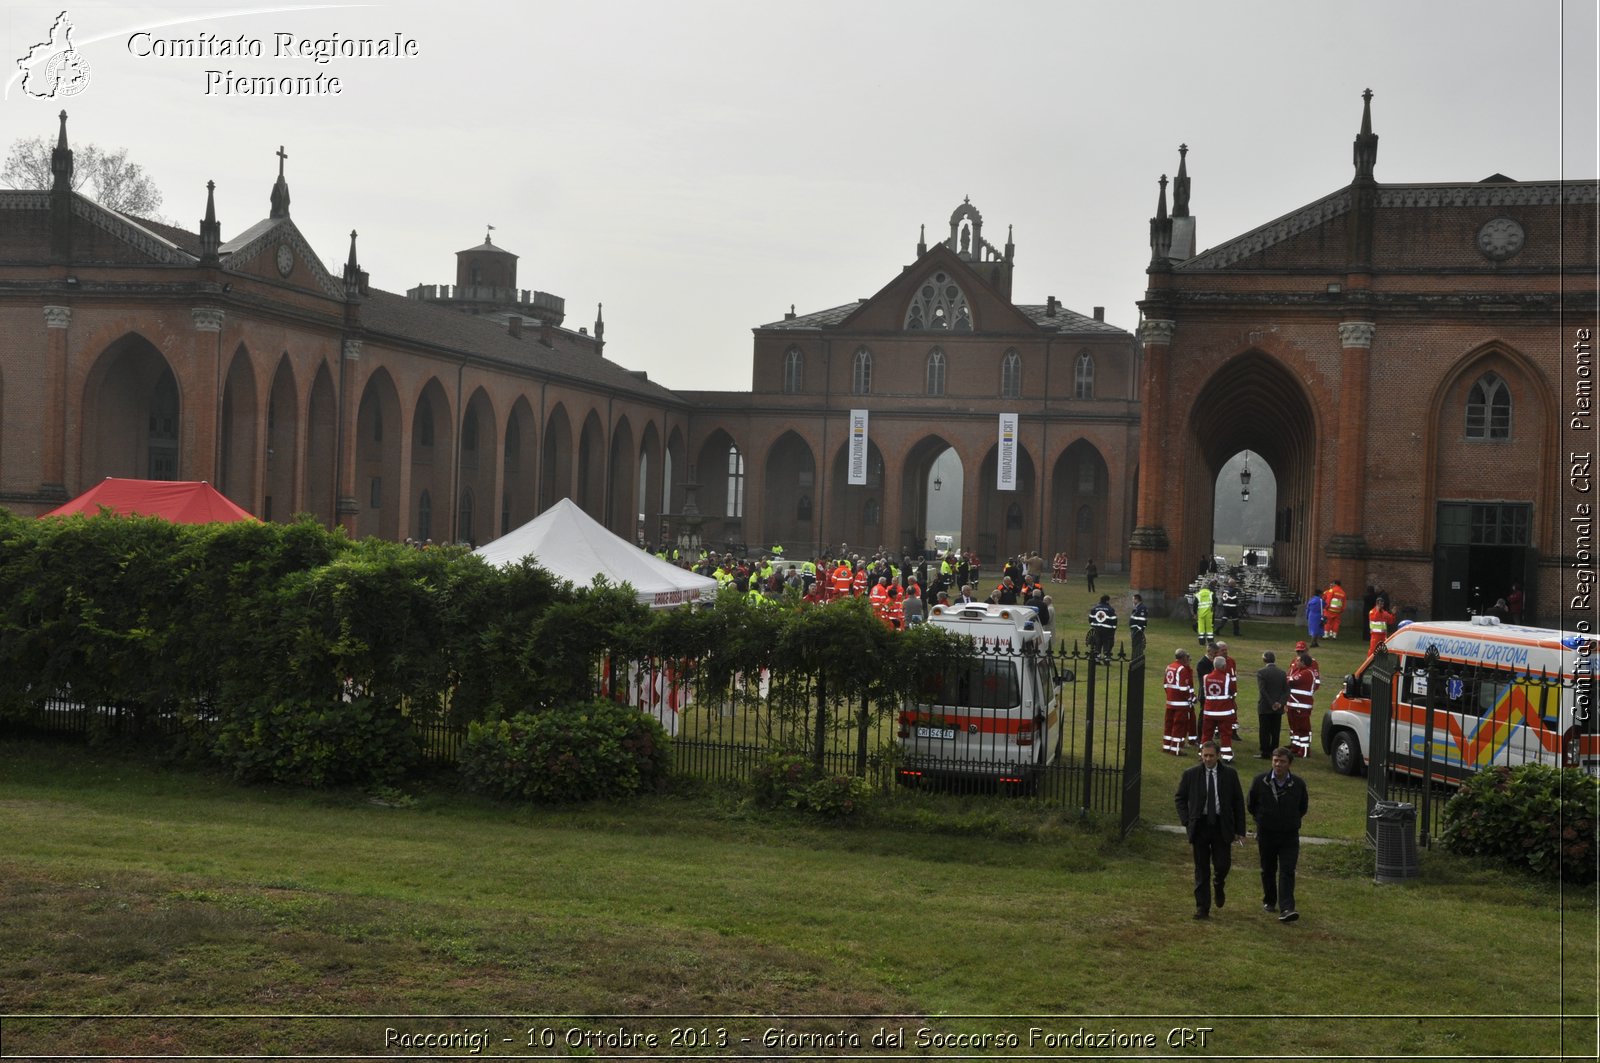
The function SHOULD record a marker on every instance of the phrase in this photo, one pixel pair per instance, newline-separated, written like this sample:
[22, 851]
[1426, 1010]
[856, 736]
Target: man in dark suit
[1211, 808]
[1272, 698]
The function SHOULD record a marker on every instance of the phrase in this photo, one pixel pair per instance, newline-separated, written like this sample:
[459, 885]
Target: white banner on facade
[858, 447]
[1006, 467]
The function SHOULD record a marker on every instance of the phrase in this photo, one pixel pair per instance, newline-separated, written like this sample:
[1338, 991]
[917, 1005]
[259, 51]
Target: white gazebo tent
[574, 546]
[569, 543]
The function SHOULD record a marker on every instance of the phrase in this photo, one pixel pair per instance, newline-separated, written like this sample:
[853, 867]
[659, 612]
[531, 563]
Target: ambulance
[997, 716]
[1500, 694]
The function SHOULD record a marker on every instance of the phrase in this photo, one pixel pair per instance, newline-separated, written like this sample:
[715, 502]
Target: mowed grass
[131, 890]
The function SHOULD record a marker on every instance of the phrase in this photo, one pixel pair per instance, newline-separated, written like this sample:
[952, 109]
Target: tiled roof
[1064, 320]
[387, 314]
[1069, 320]
[186, 240]
[817, 319]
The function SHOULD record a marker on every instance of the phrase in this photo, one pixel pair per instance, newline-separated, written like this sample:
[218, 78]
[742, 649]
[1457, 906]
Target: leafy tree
[112, 180]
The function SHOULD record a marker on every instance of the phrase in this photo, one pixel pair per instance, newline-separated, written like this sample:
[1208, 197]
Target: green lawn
[128, 890]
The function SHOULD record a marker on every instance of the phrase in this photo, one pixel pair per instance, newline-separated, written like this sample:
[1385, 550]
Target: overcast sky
[699, 166]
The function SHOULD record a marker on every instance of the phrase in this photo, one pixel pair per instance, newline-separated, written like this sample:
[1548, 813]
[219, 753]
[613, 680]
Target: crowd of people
[903, 589]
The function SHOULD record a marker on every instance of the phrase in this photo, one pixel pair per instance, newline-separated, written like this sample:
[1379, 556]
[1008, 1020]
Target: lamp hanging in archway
[1244, 478]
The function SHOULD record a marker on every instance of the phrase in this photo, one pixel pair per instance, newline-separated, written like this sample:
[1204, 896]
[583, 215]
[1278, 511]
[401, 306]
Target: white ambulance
[1500, 694]
[997, 716]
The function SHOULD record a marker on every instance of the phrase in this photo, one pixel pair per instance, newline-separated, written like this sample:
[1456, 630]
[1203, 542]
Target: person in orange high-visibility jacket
[1303, 680]
[879, 597]
[858, 586]
[896, 607]
[1332, 609]
[839, 583]
[1379, 622]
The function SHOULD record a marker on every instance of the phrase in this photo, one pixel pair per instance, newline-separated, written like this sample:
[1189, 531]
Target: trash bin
[1397, 840]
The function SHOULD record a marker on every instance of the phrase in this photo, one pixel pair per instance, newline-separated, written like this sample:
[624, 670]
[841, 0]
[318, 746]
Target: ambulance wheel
[1345, 753]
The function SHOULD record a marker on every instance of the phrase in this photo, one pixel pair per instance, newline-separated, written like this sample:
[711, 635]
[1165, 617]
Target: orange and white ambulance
[1500, 695]
[997, 715]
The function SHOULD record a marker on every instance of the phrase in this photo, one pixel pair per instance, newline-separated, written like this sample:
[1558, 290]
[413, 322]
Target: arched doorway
[789, 508]
[1080, 509]
[132, 414]
[932, 485]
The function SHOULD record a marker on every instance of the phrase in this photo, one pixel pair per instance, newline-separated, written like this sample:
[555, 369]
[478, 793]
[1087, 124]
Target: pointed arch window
[936, 372]
[425, 423]
[1011, 376]
[425, 516]
[464, 518]
[1489, 408]
[939, 303]
[735, 482]
[861, 373]
[794, 371]
[1083, 377]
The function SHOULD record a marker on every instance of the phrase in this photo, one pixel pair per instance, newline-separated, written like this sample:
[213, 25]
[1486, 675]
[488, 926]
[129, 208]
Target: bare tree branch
[111, 180]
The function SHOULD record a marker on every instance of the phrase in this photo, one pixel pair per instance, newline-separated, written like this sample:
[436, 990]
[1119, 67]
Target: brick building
[1411, 362]
[454, 412]
[459, 411]
[935, 359]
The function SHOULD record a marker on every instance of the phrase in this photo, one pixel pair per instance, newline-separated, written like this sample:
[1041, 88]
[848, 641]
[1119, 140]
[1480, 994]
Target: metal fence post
[1133, 744]
[1088, 735]
[1380, 679]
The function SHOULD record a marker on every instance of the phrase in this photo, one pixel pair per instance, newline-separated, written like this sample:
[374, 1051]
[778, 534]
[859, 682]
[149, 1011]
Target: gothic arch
[556, 473]
[790, 506]
[379, 432]
[590, 486]
[320, 471]
[132, 414]
[238, 432]
[480, 455]
[720, 477]
[856, 511]
[433, 460]
[1007, 521]
[925, 508]
[279, 500]
[1080, 510]
[650, 496]
[1254, 402]
[518, 456]
[623, 504]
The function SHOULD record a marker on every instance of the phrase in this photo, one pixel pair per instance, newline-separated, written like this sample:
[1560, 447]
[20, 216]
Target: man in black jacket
[1278, 801]
[1211, 808]
[1272, 698]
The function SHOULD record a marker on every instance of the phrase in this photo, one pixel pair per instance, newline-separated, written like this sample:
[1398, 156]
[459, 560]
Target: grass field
[129, 890]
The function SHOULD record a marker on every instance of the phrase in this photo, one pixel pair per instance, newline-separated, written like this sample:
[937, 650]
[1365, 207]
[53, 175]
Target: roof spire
[61, 160]
[1366, 146]
[1160, 231]
[1180, 184]
[922, 241]
[280, 190]
[355, 281]
[600, 325]
[210, 228]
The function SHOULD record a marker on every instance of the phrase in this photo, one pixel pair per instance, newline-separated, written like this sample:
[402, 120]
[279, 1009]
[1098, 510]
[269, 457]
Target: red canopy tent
[180, 501]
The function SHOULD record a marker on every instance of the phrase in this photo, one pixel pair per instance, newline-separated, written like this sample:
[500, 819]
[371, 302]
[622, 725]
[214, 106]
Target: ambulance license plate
[936, 732]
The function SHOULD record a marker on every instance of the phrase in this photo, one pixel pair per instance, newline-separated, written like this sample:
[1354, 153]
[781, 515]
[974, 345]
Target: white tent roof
[574, 546]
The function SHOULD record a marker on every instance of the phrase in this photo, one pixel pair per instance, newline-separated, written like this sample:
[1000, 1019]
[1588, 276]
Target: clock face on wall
[285, 259]
[1500, 238]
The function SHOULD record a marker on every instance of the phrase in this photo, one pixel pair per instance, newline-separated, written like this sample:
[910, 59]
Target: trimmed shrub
[578, 752]
[306, 742]
[1534, 817]
[790, 780]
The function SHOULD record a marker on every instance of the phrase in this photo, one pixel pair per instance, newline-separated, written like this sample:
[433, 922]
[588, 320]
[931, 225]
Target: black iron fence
[1060, 727]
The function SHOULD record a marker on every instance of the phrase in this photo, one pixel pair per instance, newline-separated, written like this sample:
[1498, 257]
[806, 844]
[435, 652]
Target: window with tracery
[939, 304]
[861, 373]
[1011, 376]
[936, 372]
[1489, 409]
[794, 371]
[1083, 377]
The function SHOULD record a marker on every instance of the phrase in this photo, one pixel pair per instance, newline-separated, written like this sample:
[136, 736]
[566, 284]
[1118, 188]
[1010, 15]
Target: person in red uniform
[879, 597]
[1303, 682]
[1332, 609]
[1379, 621]
[1219, 713]
[1180, 704]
